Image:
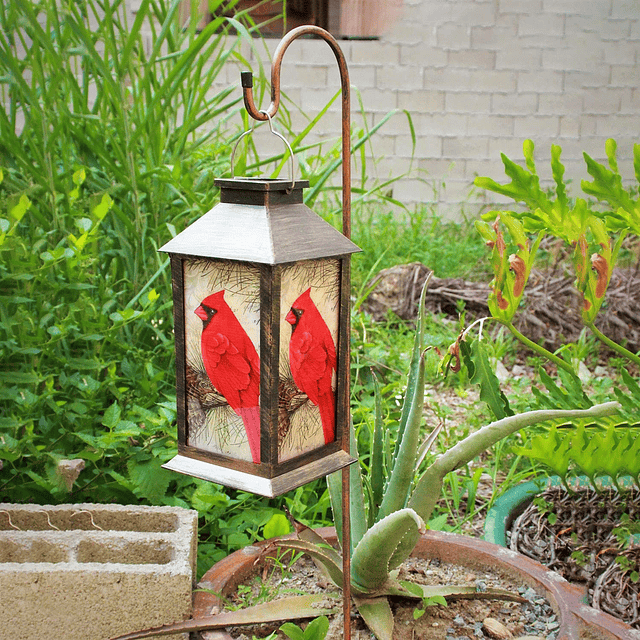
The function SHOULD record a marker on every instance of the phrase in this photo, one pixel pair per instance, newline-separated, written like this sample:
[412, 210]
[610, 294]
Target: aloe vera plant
[387, 526]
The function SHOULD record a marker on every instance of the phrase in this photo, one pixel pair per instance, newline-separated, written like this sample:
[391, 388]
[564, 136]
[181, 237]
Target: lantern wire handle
[292, 170]
[262, 115]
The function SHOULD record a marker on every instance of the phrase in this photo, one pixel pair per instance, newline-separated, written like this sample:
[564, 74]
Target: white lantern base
[269, 487]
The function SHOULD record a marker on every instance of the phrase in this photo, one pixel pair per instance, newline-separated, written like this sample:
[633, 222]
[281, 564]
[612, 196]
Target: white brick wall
[479, 76]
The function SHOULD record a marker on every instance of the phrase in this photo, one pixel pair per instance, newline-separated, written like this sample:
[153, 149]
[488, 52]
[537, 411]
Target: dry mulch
[579, 542]
[550, 312]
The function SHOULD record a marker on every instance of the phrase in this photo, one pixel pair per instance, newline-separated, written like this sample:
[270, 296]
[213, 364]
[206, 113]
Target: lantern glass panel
[222, 338]
[309, 308]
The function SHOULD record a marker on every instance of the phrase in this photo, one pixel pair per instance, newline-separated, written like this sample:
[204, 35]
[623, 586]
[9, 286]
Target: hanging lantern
[261, 308]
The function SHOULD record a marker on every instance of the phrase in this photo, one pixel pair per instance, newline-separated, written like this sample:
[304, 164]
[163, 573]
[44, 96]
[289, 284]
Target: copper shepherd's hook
[270, 112]
[257, 114]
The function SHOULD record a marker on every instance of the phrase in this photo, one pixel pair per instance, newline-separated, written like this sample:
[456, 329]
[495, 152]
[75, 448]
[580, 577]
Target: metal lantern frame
[285, 234]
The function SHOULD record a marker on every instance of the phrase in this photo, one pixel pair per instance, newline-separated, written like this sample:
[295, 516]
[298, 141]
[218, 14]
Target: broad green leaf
[17, 212]
[150, 480]
[111, 416]
[277, 526]
[483, 375]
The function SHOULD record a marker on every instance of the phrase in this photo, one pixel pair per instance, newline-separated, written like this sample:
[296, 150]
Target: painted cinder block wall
[478, 77]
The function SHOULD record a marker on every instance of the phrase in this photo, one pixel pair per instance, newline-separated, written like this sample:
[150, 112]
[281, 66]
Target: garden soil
[460, 620]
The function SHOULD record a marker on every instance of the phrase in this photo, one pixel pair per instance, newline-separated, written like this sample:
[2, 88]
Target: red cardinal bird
[232, 364]
[312, 357]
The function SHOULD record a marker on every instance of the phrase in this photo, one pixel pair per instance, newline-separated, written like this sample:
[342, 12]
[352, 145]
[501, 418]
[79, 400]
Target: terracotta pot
[577, 620]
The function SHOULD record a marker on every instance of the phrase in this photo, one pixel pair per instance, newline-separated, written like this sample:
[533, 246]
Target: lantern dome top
[264, 221]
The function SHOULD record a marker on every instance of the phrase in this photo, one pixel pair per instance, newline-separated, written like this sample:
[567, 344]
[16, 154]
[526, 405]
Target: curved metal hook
[270, 112]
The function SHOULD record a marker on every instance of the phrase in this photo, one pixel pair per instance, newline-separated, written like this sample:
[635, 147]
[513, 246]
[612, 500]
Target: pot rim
[576, 618]
[513, 502]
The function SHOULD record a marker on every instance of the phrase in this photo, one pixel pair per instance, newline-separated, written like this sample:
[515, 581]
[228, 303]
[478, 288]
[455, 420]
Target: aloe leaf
[383, 548]
[327, 557]
[356, 497]
[455, 592]
[309, 535]
[405, 452]
[429, 486]
[377, 614]
[293, 608]
[403, 472]
[413, 386]
[377, 465]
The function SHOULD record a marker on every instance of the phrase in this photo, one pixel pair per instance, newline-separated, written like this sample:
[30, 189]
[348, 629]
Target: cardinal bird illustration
[232, 364]
[312, 358]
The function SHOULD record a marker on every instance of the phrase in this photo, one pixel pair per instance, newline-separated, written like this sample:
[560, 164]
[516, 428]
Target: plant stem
[618, 348]
[559, 362]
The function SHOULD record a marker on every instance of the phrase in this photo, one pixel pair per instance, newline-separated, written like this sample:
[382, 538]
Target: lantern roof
[261, 220]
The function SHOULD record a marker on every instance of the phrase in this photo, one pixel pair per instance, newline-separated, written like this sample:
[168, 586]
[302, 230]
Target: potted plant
[606, 453]
[388, 525]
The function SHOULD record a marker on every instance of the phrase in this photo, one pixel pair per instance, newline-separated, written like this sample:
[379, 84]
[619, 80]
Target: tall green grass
[111, 140]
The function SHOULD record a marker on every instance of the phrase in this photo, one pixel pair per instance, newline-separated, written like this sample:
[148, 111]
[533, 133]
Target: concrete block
[304, 75]
[490, 125]
[397, 77]
[541, 24]
[540, 81]
[423, 101]
[618, 126]
[559, 103]
[447, 124]
[577, 7]
[362, 77]
[520, 6]
[630, 101]
[454, 36]
[536, 127]
[467, 102]
[596, 77]
[514, 103]
[624, 9]
[517, 57]
[467, 147]
[407, 31]
[376, 100]
[570, 127]
[620, 52]
[423, 55]
[492, 38]
[603, 100]
[606, 29]
[510, 146]
[481, 14]
[583, 55]
[89, 572]
[624, 76]
[472, 59]
[374, 52]
[426, 147]
[470, 80]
